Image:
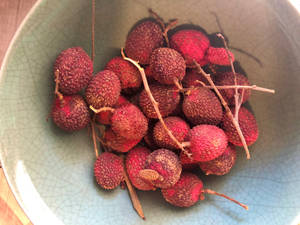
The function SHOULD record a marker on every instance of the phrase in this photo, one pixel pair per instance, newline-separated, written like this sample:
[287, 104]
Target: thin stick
[94, 138]
[101, 109]
[93, 29]
[134, 198]
[157, 18]
[228, 111]
[211, 192]
[154, 102]
[56, 92]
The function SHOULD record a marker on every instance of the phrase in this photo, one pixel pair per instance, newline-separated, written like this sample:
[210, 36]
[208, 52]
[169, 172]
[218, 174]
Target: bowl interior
[51, 172]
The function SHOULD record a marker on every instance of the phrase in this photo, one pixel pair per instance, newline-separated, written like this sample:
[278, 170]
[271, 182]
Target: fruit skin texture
[220, 165]
[191, 44]
[119, 143]
[227, 78]
[103, 90]
[142, 40]
[186, 192]
[177, 126]
[247, 124]
[135, 162]
[167, 164]
[167, 97]
[72, 115]
[188, 163]
[202, 106]
[166, 65]
[75, 70]
[207, 142]
[218, 56]
[128, 74]
[109, 170]
[129, 122]
[191, 77]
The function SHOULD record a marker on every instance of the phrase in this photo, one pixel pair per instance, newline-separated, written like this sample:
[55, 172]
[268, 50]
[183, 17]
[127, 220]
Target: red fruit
[75, 70]
[191, 44]
[191, 78]
[135, 162]
[167, 165]
[166, 96]
[167, 65]
[202, 106]
[247, 124]
[207, 142]
[177, 126]
[103, 90]
[104, 117]
[222, 164]
[227, 79]
[149, 136]
[129, 122]
[218, 56]
[186, 192]
[128, 74]
[119, 143]
[109, 170]
[188, 163]
[142, 40]
[71, 114]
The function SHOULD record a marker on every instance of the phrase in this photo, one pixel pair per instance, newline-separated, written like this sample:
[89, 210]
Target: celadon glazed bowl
[51, 171]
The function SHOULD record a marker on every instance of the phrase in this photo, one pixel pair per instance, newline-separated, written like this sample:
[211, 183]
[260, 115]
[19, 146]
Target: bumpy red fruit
[207, 142]
[247, 124]
[227, 79]
[166, 163]
[109, 170]
[142, 40]
[188, 163]
[135, 162]
[186, 192]
[167, 65]
[128, 74]
[75, 70]
[119, 143]
[167, 97]
[71, 114]
[177, 126]
[103, 90]
[218, 56]
[191, 78]
[220, 165]
[201, 106]
[191, 44]
[129, 122]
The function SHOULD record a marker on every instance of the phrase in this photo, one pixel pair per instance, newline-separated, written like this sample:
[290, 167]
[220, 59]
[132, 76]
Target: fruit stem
[211, 192]
[177, 84]
[228, 111]
[149, 175]
[134, 198]
[101, 109]
[186, 144]
[94, 137]
[154, 102]
[93, 29]
[56, 92]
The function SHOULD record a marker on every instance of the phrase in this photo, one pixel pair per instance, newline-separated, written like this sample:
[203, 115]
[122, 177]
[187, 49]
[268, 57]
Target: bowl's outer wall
[50, 171]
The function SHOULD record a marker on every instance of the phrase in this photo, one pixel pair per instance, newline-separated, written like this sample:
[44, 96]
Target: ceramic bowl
[51, 171]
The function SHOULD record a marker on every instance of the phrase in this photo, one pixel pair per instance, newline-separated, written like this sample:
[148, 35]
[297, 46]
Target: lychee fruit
[178, 127]
[167, 65]
[167, 97]
[247, 124]
[109, 170]
[129, 122]
[71, 113]
[191, 78]
[191, 44]
[135, 162]
[128, 74]
[75, 70]
[188, 163]
[207, 142]
[218, 56]
[142, 40]
[220, 165]
[202, 106]
[227, 79]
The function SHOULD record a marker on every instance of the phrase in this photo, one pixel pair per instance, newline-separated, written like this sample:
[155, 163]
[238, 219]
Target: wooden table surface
[12, 13]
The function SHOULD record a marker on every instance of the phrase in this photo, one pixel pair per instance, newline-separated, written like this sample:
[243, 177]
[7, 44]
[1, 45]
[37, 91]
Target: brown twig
[227, 109]
[94, 137]
[56, 91]
[154, 102]
[93, 29]
[101, 109]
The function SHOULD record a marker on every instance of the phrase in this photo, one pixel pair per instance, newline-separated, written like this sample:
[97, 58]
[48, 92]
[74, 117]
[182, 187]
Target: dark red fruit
[109, 170]
[247, 124]
[188, 163]
[149, 136]
[191, 78]
[75, 70]
[218, 56]
[142, 40]
[71, 114]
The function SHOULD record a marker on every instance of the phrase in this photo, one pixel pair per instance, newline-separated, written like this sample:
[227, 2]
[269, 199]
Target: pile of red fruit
[162, 112]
